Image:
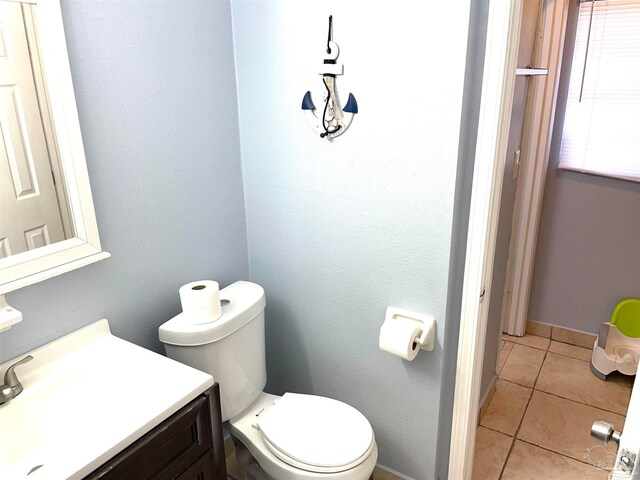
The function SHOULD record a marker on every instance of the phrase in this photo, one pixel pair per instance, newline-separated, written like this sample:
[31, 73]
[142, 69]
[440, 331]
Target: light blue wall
[156, 93]
[340, 230]
[588, 254]
[336, 231]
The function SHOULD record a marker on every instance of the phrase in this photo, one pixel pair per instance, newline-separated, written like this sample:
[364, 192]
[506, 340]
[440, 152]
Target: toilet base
[262, 464]
[249, 465]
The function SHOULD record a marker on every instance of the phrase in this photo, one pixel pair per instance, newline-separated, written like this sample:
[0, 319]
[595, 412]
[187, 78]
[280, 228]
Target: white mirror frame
[27, 268]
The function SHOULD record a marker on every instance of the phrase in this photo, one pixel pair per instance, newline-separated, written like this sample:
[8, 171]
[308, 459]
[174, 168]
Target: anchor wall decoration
[333, 120]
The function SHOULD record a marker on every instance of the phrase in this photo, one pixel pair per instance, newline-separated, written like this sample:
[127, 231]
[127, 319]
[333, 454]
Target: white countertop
[87, 396]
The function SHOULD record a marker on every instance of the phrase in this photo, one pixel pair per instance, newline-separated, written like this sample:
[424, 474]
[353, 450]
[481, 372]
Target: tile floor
[538, 423]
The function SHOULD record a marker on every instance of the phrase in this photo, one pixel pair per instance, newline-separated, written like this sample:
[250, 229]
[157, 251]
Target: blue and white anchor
[333, 121]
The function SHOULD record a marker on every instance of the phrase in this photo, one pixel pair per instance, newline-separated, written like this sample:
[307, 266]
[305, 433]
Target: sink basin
[36, 419]
[86, 397]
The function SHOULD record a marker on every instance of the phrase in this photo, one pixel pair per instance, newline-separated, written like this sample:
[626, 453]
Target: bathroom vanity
[95, 406]
[186, 446]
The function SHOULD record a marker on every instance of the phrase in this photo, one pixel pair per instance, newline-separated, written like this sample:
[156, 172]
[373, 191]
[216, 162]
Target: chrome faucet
[12, 386]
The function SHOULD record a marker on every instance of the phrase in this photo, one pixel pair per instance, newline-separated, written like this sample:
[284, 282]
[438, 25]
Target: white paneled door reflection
[29, 211]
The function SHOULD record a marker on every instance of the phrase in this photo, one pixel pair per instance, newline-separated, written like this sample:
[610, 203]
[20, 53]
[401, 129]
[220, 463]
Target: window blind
[601, 132]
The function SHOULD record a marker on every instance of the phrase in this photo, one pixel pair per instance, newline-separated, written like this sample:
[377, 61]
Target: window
[602, 122]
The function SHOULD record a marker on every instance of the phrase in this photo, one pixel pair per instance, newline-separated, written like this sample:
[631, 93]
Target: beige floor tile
[491, 452]
[564, 427]
[506, 408]
[573, 337]
[539, 329]
[523, 365]
[503, 355]
[533, 341]
[528, 462]
[229, 447]
[232, 467]
[380, 474]
[487, 401]
[572, 378]
[509, 338]
[571, 350]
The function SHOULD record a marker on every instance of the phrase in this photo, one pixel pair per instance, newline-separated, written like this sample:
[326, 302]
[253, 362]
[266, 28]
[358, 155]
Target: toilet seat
[316, 434]
[244, 427]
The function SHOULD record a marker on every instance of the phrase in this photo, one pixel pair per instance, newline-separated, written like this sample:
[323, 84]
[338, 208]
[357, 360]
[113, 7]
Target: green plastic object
[626, 316]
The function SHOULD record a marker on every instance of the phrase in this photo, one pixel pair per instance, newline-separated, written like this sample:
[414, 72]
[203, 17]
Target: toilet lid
[316, 433]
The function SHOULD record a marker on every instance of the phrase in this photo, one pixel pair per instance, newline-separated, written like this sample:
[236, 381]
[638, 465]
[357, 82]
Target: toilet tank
[231, 348]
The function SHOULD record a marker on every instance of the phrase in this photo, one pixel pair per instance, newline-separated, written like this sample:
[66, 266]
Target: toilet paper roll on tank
[405, 333]
[200, 302]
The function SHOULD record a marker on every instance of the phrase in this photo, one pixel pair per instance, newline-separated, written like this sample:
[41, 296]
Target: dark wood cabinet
[187, 446]
[201, 470]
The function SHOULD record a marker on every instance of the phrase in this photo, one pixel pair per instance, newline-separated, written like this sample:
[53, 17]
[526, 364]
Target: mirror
[33, 202]
[47, 219]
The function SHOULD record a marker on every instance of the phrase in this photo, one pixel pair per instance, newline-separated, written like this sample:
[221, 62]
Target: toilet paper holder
[427, 338]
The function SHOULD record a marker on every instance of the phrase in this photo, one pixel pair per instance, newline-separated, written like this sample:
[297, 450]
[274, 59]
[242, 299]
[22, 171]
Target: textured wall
[339, 231]
[588, 251]
[155, 87]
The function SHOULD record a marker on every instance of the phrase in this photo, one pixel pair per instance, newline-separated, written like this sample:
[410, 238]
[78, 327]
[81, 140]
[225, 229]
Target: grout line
[514, 383]
[575, 344]
[505, 360]
[544, 359]
[562, 455]
[568, 356]
[580, 403]
[497, 431]
[504, 464]
[515, 435]
[531, 346]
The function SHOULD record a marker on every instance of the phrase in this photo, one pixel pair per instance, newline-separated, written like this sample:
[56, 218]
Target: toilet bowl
[292, 437]
[285, 437]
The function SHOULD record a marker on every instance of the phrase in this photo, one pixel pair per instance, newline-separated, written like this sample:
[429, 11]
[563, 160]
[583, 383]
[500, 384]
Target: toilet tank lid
[246, 301]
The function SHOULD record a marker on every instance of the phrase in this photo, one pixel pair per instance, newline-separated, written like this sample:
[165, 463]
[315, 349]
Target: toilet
[292, 437]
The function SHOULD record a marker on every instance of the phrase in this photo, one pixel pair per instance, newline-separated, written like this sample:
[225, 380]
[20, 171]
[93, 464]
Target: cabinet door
[167, 451]
[201, 470]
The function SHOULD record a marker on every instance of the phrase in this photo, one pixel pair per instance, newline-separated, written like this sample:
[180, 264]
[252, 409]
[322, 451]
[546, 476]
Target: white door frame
[503, 35]
[538, 127]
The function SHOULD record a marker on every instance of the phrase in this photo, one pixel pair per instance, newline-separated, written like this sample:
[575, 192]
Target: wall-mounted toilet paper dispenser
[405, 333]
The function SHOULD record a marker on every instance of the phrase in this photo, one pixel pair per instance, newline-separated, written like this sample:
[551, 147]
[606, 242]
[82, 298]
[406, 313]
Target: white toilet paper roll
[201, 301]
[397, 337]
